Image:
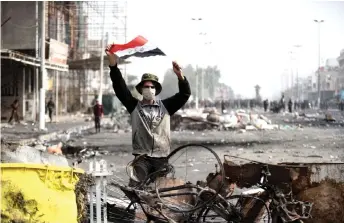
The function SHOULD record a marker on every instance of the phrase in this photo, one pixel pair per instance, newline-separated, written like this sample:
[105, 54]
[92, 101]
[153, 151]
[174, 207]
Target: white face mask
[148, 93]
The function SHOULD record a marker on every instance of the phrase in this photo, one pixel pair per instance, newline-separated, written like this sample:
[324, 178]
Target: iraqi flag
[138, 47]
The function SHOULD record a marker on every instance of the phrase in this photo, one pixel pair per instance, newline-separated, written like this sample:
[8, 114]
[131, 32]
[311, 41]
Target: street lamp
[196, 19]
[319, 94]
[196, 97]
[101, 70]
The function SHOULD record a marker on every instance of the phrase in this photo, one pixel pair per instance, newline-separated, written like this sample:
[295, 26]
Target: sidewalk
[29, 132]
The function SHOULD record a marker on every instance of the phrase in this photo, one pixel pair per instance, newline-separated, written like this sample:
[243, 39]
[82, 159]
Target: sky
[250, 40]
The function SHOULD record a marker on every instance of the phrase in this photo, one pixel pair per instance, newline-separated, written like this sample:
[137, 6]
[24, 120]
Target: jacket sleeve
[174, 103]
[121, 89]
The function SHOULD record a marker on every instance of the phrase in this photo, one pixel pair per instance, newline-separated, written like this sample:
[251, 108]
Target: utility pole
[36, 81]
[292, 75]
[202, 84]
[297, 72]
[203, 73]
[100, 95]
[196, 98]
[319, 92]
[43, 72]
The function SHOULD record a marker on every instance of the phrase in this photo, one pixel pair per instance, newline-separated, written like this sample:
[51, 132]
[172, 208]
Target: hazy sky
[250, 39]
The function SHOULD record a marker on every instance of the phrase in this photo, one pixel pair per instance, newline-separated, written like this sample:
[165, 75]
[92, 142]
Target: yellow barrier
[38, 193]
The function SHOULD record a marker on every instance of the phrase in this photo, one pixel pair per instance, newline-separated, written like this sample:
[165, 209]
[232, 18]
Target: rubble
[38, 154]
[210, 118]
[118, 121]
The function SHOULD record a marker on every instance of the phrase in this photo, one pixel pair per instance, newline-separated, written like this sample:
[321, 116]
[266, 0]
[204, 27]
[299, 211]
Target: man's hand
[112, 57]
[177, 70]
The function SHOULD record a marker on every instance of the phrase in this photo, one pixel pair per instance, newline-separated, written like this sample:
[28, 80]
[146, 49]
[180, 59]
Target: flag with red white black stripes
[138, 47]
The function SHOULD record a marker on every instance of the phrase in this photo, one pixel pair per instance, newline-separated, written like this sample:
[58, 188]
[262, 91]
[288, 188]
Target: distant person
[282, 103]
[50, 108]
[290, 106]
[14, 113]
[98, 114]
[266, 104]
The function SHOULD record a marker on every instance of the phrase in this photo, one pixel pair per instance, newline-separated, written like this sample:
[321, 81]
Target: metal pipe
[43, 72]
[100, 95]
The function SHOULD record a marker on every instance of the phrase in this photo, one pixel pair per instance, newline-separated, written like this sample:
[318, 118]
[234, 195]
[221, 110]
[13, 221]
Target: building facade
[20, 51]
[340, 79]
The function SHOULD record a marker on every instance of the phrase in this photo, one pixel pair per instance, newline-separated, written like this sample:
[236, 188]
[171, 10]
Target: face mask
[148, 93]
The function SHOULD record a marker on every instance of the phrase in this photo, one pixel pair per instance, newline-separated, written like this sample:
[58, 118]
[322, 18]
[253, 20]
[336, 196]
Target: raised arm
[177, 101]
[119, 85]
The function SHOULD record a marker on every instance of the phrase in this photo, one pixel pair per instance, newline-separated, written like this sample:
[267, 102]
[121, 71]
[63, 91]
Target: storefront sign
[58, 52]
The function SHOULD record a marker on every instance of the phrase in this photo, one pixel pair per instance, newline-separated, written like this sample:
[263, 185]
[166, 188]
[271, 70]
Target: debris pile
[37, 154]
[119, 122]
[318, 183]
[210, 118]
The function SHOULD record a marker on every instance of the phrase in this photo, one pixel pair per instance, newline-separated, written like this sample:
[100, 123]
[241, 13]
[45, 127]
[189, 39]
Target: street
[310, 143]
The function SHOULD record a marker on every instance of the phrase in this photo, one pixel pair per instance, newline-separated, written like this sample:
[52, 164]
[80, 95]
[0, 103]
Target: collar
[147, 105]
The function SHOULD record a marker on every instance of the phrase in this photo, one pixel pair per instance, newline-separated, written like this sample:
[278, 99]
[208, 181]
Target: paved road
[275, 146]
[31, 130]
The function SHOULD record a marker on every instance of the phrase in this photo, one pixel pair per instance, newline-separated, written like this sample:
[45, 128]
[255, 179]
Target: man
[150, 118]
[14, 113]
[50, 108]
[282, 103]
[98, 112]
[290, 106]
[266, 104]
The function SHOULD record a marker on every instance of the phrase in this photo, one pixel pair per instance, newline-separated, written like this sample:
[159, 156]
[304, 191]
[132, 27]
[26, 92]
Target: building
[340, 79]
[20, 61]
[329, 84]
[340, 60]
[68, 56]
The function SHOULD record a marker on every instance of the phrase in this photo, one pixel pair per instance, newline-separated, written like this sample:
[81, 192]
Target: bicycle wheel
[197, 202]
[244, 209]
